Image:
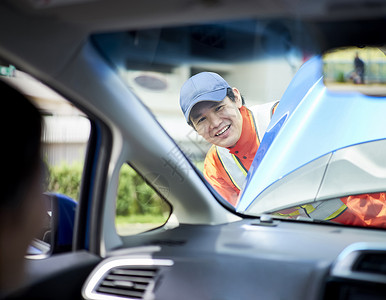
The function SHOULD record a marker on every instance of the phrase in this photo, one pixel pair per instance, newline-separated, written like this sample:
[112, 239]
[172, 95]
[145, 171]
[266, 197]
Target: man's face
[219, 123]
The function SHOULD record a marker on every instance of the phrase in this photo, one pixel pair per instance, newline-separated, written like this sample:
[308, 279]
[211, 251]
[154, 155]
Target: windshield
[227, 93]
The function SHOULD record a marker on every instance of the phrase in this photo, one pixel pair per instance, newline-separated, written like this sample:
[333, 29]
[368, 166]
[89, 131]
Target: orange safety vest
[226, 170]
[359, 210]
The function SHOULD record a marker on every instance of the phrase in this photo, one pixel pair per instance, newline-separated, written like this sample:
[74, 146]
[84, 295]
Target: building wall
[65, 138]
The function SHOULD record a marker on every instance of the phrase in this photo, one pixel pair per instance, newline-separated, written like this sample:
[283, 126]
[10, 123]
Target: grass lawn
[135, 219]
[130, 225]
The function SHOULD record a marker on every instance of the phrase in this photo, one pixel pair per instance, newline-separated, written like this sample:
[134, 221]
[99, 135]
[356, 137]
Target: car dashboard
[262, 259]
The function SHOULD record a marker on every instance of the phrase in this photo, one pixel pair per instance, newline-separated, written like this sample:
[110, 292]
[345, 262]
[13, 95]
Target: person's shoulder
[212, 164]
[266, 105]
[212, 157]
[211, 154]
[266, 109]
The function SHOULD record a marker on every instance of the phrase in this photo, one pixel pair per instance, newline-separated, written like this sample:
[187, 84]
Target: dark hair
[21, 127]
[231, 96]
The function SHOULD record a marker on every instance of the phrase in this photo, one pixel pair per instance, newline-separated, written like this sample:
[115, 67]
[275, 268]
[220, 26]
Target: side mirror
[356, 69]
[57, 233]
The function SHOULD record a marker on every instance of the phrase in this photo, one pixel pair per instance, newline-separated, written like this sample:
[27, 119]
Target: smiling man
[217, 112]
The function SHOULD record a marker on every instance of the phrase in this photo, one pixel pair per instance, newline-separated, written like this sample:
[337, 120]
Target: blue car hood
[309, 126]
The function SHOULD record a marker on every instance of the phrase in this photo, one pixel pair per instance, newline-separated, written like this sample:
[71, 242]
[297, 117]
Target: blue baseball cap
[205, 86]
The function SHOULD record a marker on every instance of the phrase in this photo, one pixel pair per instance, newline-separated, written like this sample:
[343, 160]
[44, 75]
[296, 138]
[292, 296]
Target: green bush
[340, 77]
[134, 196]
[65, 179]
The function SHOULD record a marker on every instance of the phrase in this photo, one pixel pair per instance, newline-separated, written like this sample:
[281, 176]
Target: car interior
[112, 71]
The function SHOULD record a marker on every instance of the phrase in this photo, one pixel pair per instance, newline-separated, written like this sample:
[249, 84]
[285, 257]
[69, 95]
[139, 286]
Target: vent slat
[125, 278]
[124, 284]
[145, 273]
[121, 292]
[129, 278]
[124, 281]
[371, 263]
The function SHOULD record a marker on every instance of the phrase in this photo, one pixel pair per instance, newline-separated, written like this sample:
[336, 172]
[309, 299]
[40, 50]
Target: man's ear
[238, 99]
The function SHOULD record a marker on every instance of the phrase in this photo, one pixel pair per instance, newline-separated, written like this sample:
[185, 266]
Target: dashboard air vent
[362, 261]
[372, 263]
[124, 278]
[130, 282]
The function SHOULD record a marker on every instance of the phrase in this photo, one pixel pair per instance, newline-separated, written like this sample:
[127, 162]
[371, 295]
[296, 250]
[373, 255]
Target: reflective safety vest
[234, 168]
[320, 210]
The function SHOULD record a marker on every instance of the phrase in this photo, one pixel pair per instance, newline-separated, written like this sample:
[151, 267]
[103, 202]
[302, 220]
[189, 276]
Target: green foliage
[134, 196]
[65, 179]
[340, 77]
